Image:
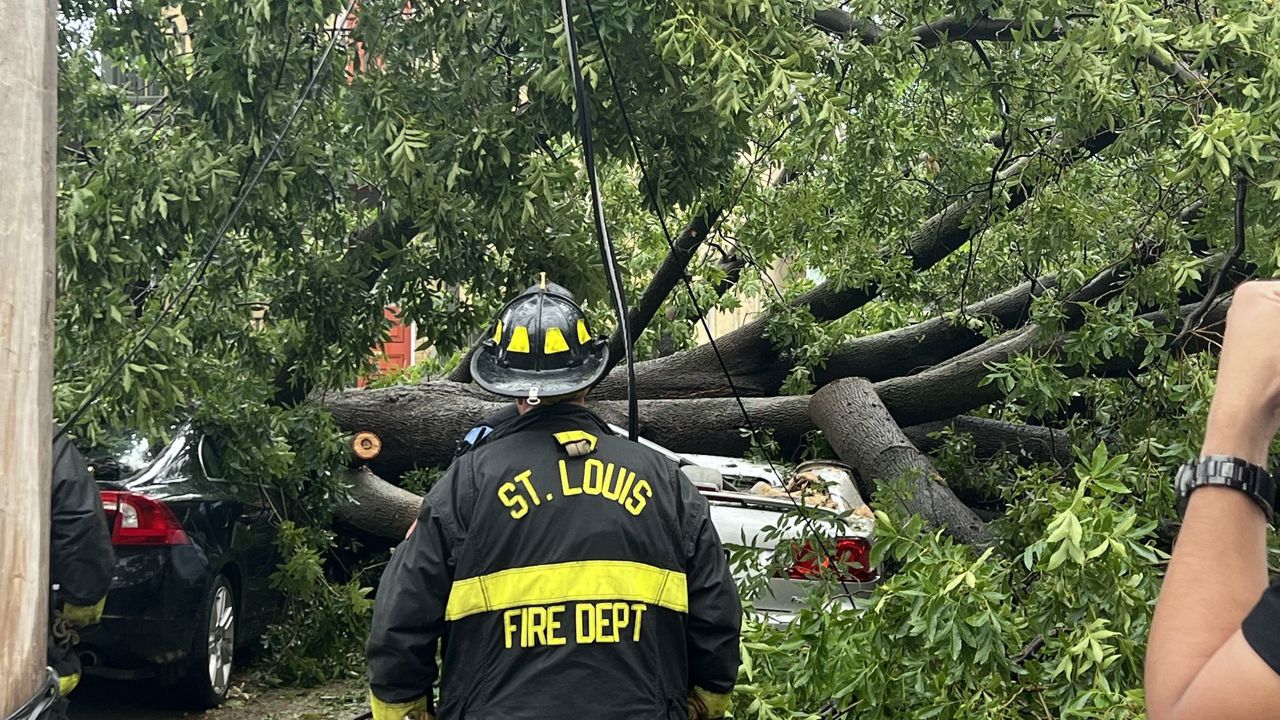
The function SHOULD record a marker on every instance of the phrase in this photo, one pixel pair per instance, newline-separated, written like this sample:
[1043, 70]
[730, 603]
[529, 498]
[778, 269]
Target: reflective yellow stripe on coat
[568, 582]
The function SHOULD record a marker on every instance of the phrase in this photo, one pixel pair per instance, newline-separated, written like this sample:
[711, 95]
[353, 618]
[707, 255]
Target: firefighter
[80, 562]
[568, 572]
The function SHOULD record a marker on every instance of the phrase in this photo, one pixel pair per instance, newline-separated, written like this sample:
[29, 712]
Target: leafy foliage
[435, 166]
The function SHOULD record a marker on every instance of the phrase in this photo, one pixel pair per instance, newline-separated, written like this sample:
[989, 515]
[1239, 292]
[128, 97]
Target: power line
[187, 290]
[612, 274]
[688, 286]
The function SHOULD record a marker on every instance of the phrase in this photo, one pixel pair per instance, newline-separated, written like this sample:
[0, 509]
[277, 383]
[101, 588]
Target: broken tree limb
[750, 356]
[378, 507]
[863, 434]
[665, 279]
[1034, 442]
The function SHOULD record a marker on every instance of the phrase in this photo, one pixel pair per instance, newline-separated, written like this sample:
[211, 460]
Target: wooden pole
[28, 84]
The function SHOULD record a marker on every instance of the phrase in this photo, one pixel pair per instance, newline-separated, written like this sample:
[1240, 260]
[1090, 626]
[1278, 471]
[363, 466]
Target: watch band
[1227, 471]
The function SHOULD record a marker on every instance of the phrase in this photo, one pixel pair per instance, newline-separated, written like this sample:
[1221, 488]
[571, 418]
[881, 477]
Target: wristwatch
[1227, 471]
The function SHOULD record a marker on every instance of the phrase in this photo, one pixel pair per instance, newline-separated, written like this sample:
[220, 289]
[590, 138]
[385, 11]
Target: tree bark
[378, 507]
[420, 425]
[863, 434]
[1034, 442]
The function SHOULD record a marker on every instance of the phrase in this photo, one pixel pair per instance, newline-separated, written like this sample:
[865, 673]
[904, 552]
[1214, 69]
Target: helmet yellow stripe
[584, 337]
[497, 333]
[519, 340]
[554, 342]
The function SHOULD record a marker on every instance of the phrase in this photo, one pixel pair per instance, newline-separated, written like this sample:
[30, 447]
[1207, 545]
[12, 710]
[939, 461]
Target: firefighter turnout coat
[568, 573]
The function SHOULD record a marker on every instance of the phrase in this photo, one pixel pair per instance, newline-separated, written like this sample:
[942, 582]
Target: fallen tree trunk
[382, 509]
[863, 434]
[420, 425]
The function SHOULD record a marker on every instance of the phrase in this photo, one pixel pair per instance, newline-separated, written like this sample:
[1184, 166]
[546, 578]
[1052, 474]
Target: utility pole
[28, 94]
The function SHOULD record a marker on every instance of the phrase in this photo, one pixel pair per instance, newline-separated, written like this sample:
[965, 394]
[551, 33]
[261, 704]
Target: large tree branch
[665, 279]
[749, 354]
[958, 386]
[990, 437]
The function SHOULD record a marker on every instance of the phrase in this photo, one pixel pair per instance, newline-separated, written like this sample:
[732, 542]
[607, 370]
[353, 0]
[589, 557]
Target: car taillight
[852, 560]
[139, 520]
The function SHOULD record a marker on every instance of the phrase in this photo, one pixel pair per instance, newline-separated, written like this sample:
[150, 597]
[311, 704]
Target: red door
[397, 351]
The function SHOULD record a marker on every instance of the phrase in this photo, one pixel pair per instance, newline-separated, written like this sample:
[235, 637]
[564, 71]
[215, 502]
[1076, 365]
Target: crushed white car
[752, 508]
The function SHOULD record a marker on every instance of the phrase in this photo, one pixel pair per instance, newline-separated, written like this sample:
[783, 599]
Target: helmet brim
[514, 383]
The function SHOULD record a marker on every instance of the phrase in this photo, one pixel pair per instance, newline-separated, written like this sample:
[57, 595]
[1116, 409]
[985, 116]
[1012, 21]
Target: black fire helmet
[541, 347]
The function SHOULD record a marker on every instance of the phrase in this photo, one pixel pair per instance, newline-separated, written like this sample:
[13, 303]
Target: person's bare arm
[1199, 665]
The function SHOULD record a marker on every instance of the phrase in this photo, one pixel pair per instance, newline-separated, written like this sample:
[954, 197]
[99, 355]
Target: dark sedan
[194, 556]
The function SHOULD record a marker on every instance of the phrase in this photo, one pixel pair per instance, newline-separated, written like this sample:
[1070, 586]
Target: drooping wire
[652, 193]
[187, 290]
[610, 262]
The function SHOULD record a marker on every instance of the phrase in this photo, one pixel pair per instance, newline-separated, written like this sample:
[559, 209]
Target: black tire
[213, 650]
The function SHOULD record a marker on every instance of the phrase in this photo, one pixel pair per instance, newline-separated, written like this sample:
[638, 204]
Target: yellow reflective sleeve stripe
[716, 704]
[412, 710]
[584, 337]
[568, 437]
[497, 333]
[519, 340]
[554, 342]
[68, 683]
[568, 582]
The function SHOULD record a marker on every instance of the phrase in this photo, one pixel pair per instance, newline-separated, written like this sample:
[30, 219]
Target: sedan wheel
[222, 638]
[213, 652]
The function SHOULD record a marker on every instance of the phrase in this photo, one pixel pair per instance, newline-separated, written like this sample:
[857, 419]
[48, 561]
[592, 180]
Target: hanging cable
[651, 191]
[185, 293]
[607, 257]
